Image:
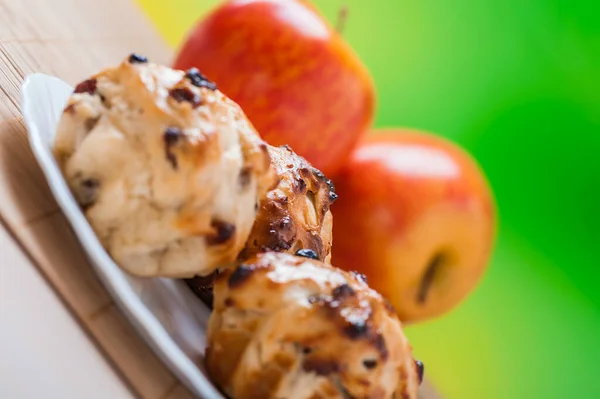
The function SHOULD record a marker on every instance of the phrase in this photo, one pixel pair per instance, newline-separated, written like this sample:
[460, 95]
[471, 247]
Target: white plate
[165, 312]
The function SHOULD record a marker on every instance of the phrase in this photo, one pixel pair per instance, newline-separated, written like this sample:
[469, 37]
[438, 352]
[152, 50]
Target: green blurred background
[517, 83]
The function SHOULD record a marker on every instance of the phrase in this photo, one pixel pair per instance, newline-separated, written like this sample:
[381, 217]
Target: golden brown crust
[294, 215]
[289, 327]
[167, 169]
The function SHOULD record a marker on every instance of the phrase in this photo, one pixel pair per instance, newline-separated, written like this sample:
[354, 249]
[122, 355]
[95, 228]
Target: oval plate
[164, 311]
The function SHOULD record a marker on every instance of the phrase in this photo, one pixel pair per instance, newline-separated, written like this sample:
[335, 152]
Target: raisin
[87, 192]
[300, 185]
[182, 94]
[307, 253]
[224, 231]
[87, 86]
[137, 59]
[171, 136]
[318, 174]
[356, 329]
[199, 80]
[229, 302]
[379, 343]
[420, 369]
[370, 363]
[239, 275]
[342, 291]
[330, 184]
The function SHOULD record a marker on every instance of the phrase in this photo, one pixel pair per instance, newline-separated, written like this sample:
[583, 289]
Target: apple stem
[342, 17]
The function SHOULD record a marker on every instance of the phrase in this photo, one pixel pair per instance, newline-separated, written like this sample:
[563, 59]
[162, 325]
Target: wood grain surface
[72, 39]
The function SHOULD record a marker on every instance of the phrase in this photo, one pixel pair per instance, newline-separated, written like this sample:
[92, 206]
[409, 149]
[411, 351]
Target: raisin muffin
[294, 217]
[289, 327]
[167, 169]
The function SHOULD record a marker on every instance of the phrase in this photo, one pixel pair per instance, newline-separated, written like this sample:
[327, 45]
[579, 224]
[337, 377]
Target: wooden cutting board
[72, 39]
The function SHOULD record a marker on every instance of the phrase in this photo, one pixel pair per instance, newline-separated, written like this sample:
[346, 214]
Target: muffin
[294, 217]
[168, 171]
[289, 327]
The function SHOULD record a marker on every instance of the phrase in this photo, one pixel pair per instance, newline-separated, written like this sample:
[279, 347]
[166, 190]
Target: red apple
[416, 215]
[293, 75]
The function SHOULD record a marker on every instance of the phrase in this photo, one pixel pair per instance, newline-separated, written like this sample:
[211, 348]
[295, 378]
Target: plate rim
[109, 273]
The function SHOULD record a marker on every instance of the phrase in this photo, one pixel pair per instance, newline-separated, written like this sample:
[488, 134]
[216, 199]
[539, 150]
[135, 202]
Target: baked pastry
[295, 215]
[289, 327]
[167, 169]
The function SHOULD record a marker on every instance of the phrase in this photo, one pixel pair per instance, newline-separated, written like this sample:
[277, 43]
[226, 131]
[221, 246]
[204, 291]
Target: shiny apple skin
[294, 76]
[409, 200]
